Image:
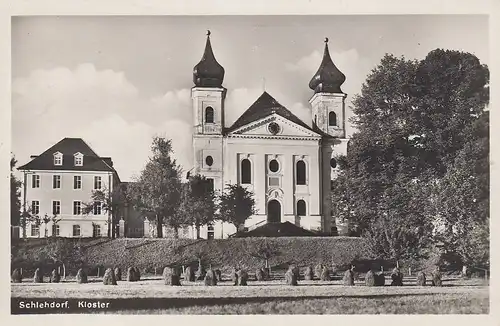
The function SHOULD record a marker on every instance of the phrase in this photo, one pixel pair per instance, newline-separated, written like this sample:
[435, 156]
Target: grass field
[150, 296]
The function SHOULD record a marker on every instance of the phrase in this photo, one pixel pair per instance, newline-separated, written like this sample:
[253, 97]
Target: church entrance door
[273, 211]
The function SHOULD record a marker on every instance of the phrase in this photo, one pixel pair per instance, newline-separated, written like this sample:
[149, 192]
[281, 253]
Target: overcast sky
[118, 81]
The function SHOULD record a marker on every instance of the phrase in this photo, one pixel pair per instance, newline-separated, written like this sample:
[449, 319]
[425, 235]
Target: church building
[287, 163]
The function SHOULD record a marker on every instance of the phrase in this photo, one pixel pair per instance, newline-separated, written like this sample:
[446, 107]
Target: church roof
[328, 78]
[208, 72]
[264, 106]
[68, 147]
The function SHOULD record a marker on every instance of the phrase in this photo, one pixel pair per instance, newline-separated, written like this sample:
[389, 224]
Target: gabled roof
[68, 147]
[264, 106]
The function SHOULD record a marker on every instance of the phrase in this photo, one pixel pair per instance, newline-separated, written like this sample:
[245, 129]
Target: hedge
[148, 254]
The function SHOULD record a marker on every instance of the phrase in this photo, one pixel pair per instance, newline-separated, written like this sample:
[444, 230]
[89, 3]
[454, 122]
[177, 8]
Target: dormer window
[78, 159]
[58, 158]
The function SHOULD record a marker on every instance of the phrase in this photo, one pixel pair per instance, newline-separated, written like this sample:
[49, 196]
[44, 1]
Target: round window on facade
[274, 166]
[333, 163]
[209, 160]
[274, 128]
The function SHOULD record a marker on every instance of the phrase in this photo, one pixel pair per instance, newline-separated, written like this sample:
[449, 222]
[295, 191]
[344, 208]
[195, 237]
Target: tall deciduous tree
[198, 205]
[15, 195]
[462, 199]
[413, 119]
[236, 205]
[157, 191]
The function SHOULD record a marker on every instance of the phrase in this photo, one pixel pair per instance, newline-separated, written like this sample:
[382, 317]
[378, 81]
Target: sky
[117, 81]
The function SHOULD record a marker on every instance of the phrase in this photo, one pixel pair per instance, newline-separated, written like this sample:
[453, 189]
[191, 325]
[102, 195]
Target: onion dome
[328, 78]
[208, 72]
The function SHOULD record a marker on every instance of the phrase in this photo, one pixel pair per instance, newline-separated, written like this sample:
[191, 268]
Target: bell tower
[328, 114]
[328, 101]
[208, 97]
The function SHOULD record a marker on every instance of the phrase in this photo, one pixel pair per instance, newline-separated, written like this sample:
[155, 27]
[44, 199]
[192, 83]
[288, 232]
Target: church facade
[287, 163]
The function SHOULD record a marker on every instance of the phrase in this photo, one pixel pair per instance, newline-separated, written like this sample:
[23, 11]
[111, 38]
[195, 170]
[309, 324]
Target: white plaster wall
[66, 195]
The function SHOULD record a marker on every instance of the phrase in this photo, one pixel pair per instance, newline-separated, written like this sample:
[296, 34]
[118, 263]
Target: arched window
[209, 115]
[301, 208]
[301, 172]
[332, 119]
[246, 171]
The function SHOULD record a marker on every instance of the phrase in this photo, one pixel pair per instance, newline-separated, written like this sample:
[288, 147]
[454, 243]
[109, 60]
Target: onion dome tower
[328, 78]
[328, 113]
[208, 72]
[208, 96]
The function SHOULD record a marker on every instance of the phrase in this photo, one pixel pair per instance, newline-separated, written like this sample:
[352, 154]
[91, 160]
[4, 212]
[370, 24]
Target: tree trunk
[197, 231]
[159, 227]
[176, 232]
[113, 227]
[110, 227]
[64, 272]
[24, 222]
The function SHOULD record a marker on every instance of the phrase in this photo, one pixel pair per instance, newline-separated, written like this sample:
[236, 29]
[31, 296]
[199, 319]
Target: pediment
[287, 128]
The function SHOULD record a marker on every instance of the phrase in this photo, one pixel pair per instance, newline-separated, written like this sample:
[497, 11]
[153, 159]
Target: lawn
[150, 296]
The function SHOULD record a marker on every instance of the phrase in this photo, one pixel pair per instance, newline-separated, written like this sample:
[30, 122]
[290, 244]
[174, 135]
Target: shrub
[81, 276]
[210, 278]
[325, 274]
[189, 274]
[16, 276]
[234, 276]
[397, 277]
[109, 277]
[436, 277]
[55, 277]
[118, 274]
[242, 277]
[38, 278]
[308, 273]
[291, 276]
[421, 280]
[379, 279]
[348, 278]
[218, 275]
[171, 276]
[370, 279]
[317, 270]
